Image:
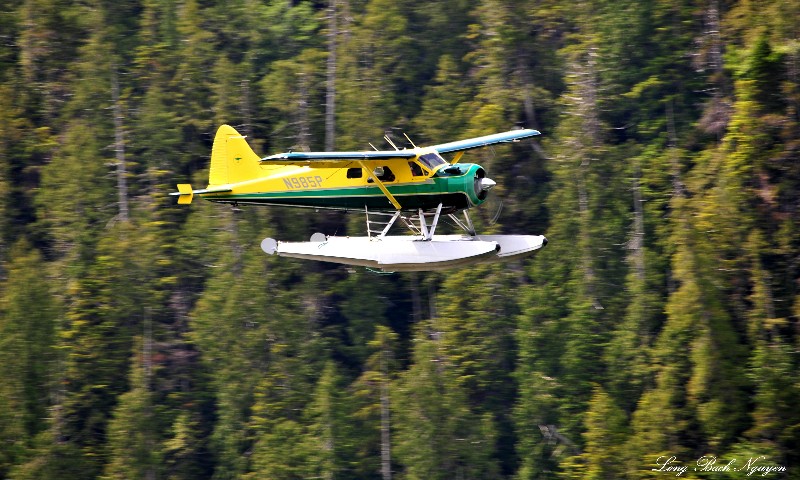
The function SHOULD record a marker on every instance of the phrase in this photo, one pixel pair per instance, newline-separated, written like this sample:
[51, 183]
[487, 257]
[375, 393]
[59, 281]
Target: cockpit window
[431, 160]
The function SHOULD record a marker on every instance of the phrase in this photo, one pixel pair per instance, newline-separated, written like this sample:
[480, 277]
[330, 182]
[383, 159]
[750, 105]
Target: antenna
[373, 147]
[386, 137]
[409, 140]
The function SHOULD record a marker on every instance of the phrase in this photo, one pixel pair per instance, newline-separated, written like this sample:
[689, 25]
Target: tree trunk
[330, 94]
[119, 150]
[636, 244]
[386, 445]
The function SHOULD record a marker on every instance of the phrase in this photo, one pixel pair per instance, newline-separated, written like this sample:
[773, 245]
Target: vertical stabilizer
[232, 159]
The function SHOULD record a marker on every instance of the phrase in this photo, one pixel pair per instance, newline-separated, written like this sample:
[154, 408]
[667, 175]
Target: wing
[344, 159]
[478, 142]
[336, 159]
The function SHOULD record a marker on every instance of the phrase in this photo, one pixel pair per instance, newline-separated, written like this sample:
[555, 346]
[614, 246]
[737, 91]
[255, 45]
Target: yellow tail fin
[232, 159]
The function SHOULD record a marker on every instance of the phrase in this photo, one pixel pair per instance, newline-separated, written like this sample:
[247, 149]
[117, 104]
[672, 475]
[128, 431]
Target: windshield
[431, 160]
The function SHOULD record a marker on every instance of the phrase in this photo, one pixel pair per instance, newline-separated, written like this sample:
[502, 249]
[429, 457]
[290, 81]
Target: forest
[656, 336]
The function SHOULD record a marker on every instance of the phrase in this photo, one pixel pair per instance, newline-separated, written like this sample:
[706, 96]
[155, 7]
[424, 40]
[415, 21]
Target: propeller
[483, 184]
[492, 206]
[491, 203]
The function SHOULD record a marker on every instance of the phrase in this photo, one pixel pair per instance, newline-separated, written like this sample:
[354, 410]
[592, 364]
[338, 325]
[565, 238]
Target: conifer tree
[603, 441]
[373, 389]
[22, 149]
[12, 427]
[438, 434]
[773, 418]
[196, 57]
[78, 197]
[627, 355]
[28, 356]
[659, 321]
[515, 48]
[326, 425]
[373, 77]
[133, 444]
[294, 90]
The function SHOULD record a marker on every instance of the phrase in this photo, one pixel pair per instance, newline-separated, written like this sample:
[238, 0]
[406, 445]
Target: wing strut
[381, 186]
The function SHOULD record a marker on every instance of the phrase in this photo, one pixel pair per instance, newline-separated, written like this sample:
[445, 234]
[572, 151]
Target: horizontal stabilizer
[185, 192]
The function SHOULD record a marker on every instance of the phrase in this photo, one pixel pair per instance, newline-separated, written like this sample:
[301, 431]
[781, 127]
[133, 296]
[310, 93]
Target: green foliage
[438, 433]
[661, 319]
[294, 90]
[447, 102]
[134, 452]
[604, 440]
[28, 356]
[327, 424]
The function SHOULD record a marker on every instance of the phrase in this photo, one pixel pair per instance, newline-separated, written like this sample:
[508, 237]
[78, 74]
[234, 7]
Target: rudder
[232, 159]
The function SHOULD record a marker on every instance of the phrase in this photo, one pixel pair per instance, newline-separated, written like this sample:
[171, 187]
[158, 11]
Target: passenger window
[387, 176]
[384, 174]
[354, 173]
[416, 170]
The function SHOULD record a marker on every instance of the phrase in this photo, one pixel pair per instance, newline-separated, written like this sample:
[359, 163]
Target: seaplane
[415, 186]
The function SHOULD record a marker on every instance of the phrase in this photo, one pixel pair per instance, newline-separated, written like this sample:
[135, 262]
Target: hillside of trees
[140, 339]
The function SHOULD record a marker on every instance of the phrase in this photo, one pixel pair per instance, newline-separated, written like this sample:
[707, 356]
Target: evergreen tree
[294, 90]
[446, 106]
[438, 434]
[22, 150]
[374, 79]
[603, 440]
[373, 390]
[191, 83]
[28, 358]
[78, 198]
[250, 325]
[659, 321]
[133, 446]
[774, 421]
[515, 52]
[327, 427]
[475, 327]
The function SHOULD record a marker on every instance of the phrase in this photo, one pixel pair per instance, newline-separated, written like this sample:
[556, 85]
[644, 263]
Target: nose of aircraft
[483, 184]
[486, 184]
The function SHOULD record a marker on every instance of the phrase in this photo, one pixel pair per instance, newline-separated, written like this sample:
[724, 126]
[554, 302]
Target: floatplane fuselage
[416, 185]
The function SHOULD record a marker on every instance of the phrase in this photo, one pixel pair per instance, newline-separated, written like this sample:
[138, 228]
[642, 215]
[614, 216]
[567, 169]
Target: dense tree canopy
[141, 339]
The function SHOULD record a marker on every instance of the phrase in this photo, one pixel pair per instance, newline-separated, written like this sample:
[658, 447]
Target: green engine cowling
[467, 178]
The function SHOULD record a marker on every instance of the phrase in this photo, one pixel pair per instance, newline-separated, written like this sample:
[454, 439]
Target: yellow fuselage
[352, 187]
